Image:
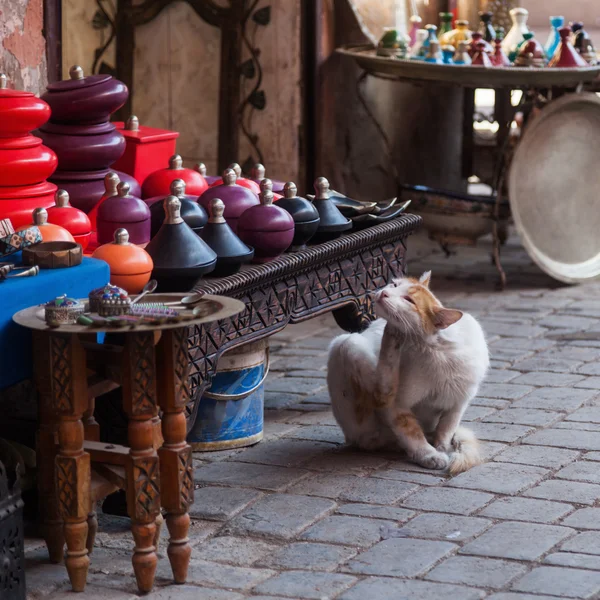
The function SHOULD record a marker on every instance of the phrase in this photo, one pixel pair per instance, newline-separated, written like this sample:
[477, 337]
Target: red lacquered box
[147, 149]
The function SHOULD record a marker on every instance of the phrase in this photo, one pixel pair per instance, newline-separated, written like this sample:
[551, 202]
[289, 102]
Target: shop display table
[338, 276]
[20, 292]
[75, 470]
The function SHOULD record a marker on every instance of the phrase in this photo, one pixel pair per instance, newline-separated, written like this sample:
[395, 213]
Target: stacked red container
[25, 163]
[80, 133]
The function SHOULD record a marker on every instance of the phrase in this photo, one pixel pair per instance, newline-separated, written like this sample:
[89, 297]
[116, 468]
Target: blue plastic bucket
[230, 413]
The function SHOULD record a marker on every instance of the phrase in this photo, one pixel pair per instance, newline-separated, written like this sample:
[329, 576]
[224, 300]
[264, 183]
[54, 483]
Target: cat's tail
[466, 451]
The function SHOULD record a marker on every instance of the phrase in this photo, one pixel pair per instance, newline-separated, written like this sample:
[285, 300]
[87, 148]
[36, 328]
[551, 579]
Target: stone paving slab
[300, 515]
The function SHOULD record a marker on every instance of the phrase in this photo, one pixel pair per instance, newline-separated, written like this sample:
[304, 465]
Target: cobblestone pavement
[300, 516]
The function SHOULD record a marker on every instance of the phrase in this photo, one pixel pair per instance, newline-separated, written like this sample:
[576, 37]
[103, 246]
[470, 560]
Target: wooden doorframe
[53, 34]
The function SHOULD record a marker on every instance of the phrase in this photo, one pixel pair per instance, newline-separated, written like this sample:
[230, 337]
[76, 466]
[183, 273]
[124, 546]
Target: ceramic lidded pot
[268, 228]
[392, 43]
[462, 56]
[566, 56]
[258, 173]
[75, 221]
[516, 33]
[445, 24]
[201, 168]
[434, 54]
[235, 197]
[180, 256]
[49, 231]
[499, 59]
[243, 181]
[476, 39]
[415, 25]
[111, 181]
[486, 27]
[333, 223]
[191, 212]
[531, 53]
[554, 38]
[130, 265]
[230, 250]
[123, 210]
[480, 57]
[267, 184]
[146, 148]
[159, 182]
[85, 99]
[305, 215]
[588, 52]
[461, 33]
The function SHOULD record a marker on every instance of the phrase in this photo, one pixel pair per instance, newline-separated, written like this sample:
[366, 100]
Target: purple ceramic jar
[267, 228]
[123, 210]
[236, 198]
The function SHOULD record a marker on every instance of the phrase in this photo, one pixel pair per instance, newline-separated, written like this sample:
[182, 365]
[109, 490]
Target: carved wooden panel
[60, 350]
[186, 477]
[146, 482]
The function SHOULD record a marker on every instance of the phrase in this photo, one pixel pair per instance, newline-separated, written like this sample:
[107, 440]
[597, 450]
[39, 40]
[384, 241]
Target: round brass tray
[212, 308]
[468, 75]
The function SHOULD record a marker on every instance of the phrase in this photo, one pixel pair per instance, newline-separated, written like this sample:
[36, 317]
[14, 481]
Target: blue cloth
[22, 292]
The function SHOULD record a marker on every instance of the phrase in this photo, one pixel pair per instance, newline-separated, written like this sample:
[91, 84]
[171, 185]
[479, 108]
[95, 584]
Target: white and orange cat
[408, 379]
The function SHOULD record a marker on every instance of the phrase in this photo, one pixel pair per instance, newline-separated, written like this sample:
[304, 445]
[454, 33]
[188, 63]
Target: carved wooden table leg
[176, 471]
[73, 471]
[143, 481]
[92, 432]
[50, 520]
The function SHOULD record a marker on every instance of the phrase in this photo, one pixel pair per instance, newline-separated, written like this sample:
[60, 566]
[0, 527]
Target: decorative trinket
[415, 25]
[96, 295]
[147, 149]
[75, 221]
[191, 212]
[6, 227]
[533, 47]
[448, 54]
[431, 37]
[499, 59]
[53, 255]
[50, 232]
[333, 223]
[235, 197]
[62, 311]
[480, 57]
[159, 182]
[392, 44]
[201, 168]
[259, 173]
[486, 28]
[267, 228]
[566, 56]
[26, 163]
[462, 56]
[578, 34]
[305, 215]
[267, 184]
[180, 256]
[554, 38]
[19, 240]
[130, 265]
[445, 24]
[460, 33]
[114, 302]
[516, 33]
[476, 39]
[230, 250]
[434, 55]
[124, 210]
[588, 52]
[246, 183]
[418, 52]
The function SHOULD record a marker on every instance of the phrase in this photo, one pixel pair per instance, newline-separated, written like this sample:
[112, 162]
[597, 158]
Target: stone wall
[23, 56]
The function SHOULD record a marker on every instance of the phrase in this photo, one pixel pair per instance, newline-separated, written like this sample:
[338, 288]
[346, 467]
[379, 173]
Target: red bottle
[147, 149]
[481, 58]
[566, 56]
[159, 182]
[75, 221]
[26, 163]
[499, 58]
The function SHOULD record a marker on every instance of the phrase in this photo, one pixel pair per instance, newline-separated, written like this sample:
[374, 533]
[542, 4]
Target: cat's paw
[433, 460]
[444, 448]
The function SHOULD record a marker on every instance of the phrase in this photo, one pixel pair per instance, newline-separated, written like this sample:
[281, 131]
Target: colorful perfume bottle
[554, 37]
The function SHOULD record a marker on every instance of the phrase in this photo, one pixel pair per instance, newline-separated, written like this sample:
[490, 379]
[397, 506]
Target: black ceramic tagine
[231, 251]
[191, 212]
[305, 215]
[180, 256]
[333, 223]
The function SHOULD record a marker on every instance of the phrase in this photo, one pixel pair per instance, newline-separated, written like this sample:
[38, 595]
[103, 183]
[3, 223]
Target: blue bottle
[554, 37]
[448, 53]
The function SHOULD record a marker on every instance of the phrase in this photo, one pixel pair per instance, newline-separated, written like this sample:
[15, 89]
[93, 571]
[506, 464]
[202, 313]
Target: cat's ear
[444, 317]
[425, 279]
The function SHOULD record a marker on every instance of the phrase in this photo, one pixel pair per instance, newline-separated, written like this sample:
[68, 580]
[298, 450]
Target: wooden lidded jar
[305, 215]
[124, 211]
[26, 163]
[236, 198]
[130, 265]
[268, 228]
[75, 221]
[49, 231]
[159, 182]
[243, 181]
[147, 149]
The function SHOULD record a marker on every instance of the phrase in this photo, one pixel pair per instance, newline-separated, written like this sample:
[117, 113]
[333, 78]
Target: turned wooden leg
[159, 523]
[92, 521]
[176, 470]
[143, 480]
[68, 382]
